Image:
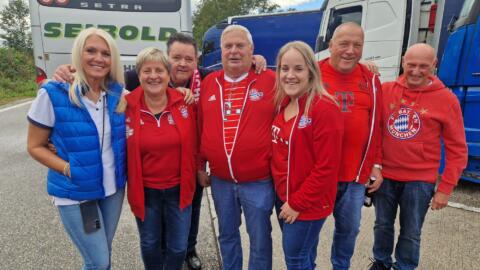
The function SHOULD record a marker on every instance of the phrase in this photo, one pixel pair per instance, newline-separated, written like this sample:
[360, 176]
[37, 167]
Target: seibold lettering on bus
[125, 32]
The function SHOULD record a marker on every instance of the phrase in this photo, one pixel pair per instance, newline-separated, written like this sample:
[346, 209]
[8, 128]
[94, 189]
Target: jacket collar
[134, 98]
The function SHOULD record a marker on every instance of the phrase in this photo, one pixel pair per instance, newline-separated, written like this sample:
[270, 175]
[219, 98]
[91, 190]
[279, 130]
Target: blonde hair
[236, 27]
[314, 79]
[80, 80]
[151, 54]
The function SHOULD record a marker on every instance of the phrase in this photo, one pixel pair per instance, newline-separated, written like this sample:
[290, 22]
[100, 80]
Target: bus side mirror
[451, 24]
[320, 44]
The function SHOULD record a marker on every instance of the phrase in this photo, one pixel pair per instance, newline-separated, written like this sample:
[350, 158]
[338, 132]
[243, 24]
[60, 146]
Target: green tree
[15, 26]
[210, 12]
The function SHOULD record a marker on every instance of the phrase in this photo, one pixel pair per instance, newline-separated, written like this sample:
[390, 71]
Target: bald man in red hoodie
[418, 111]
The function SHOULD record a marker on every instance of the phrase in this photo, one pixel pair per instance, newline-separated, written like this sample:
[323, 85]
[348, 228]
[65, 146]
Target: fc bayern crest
[255, 95]
[404, 124]
[184, 111]
[304, 121]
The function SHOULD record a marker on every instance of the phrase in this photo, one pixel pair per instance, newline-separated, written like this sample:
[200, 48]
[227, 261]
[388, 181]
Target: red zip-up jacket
[185, 121]
[251, 152]
[373, 153]
[314, 157]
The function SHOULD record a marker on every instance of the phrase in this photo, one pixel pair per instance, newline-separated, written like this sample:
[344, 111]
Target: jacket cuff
[294, 205]
[445, 187]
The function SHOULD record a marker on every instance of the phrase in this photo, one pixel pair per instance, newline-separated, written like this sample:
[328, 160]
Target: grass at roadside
[14, 90]
[17, 75]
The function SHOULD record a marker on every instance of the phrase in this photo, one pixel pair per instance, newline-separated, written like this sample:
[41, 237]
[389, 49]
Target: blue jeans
[196, 206]
[256, 200]
[95, 247]
[164, 231]
[347, 214]
[414, 199]
[299, 240]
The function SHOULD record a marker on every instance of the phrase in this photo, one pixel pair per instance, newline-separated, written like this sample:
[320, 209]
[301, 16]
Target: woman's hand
[288, 214]
[64, 73]
[189, 98]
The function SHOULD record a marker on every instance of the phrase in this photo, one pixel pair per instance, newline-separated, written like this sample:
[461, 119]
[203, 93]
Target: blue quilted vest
[76, 139]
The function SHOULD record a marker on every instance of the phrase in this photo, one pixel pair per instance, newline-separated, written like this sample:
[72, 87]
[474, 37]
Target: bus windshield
[121, 5]
[337, 17]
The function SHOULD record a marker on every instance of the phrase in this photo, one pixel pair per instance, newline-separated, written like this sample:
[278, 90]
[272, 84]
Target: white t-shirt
[41, 114]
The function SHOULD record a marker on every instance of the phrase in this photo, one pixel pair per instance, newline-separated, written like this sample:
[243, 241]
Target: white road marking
[464, 207]
[15, 106]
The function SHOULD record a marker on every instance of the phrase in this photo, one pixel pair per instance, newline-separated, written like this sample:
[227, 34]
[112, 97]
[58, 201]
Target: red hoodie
[184, 118]
[249, 159]
[414, 122]
[313, 161]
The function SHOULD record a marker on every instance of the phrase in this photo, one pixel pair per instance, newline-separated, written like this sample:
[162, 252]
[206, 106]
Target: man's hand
[260, 63]
[288, 213]
[377, 173]
[189, 98]
[371, 66]
[52, 148]
[203, 178]
[439, 201]
[64, 73]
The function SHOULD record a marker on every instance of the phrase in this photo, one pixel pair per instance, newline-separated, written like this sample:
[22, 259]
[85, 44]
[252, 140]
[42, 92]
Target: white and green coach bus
[135, 24]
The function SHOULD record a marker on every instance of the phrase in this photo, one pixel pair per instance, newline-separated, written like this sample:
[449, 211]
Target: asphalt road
[31, 233]
[32, 236]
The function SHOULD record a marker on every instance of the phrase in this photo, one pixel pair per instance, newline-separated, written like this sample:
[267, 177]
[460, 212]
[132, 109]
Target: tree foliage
[14, 23]
[210, 12]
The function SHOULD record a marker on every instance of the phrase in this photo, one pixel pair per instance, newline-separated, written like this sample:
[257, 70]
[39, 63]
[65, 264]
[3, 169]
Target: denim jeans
[164, 231]
[256, 200]
[196, 206]
[95, 247]
[414, 199]
[299, 240]
[347, 214]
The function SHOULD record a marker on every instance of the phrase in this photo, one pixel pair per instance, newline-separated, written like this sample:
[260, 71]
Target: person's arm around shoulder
[64, 73]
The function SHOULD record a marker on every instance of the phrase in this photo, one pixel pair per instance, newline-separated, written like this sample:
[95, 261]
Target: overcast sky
[299, 4]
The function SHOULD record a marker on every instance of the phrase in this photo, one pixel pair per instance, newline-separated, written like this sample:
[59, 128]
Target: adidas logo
[212, 98]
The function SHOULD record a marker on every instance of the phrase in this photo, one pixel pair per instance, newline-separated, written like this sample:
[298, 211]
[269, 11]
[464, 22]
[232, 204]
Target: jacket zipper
[289, 145]
[229, 156]
[372, 125]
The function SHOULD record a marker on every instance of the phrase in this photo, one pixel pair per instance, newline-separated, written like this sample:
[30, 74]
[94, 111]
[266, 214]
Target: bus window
[339, 16]
[467, 6]
[468, 14]
[112, 5]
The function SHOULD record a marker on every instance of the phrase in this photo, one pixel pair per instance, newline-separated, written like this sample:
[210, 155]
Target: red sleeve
[327, 144]
[201, 161]
[456, 155]
[378, 128]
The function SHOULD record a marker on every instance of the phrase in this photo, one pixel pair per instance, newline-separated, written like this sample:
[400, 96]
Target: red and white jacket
[314, 157]
[251, 153]
[373, 153]
[185, 121]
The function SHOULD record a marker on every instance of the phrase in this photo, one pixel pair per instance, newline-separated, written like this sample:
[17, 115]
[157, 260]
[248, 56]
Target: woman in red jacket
[161, 145]
[307, 140]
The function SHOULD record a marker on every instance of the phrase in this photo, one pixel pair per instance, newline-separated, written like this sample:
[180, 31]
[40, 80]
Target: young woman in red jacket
[307, 140]
[161, 145]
